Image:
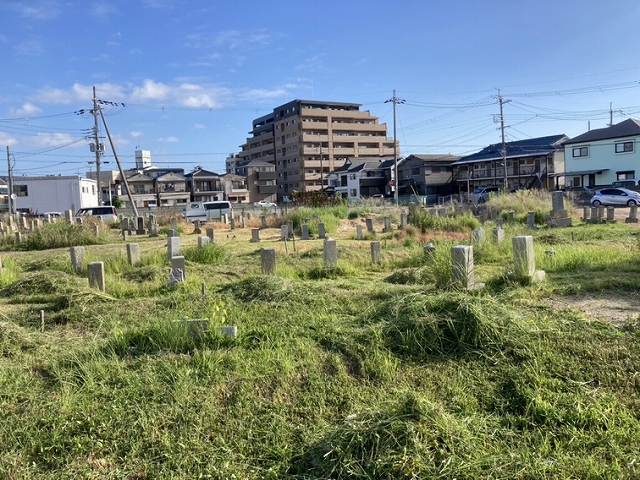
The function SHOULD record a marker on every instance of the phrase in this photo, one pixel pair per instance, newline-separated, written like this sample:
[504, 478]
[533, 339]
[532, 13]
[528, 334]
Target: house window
[21, 190]
[580, 152]
[415, 171]
[624, 147]
[352, 192]
[626, 175]
[435, 169]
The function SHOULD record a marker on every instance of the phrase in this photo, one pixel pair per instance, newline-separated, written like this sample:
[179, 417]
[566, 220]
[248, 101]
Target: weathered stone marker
[197, 229]
[263, 219]
[140, 226]
[96, 275]
[462, 267]
[524, 261]
[531, 220]
[284, 233]
[330, 253]
[375, 252]
[203, 241]
[387, 224]
[304, 230]
[321, 231]
[369, 223]
[268, 260]
[255, 235]
[210, 234]
[177, 263]
[173, 246]
[611, 215]
[133, 253]
[498, 235]
[633, 214]
[403, 221]
[479, 235]
[77, 258]
[359, 233]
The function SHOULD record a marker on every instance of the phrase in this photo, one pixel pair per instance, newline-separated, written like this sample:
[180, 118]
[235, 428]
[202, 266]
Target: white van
[204, 211]
[215, 210]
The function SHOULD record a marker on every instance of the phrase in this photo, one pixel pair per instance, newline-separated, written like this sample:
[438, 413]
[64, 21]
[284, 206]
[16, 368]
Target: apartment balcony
[267, 189]
[373, 181]
[311, 138]
[314, 125]
[359, 127]
[266, 175]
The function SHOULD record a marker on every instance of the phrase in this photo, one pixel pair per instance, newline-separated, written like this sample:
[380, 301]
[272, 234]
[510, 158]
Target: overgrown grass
[60, 234]
[361, 370]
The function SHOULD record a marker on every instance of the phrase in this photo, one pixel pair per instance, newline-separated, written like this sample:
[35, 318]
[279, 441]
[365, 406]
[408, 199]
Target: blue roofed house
[531, 163]
[604, 155]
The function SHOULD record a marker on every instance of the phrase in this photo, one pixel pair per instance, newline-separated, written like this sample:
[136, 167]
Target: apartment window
[21, 190]
[353, 192]
[580, 152]
[624, 147]
[352, 176]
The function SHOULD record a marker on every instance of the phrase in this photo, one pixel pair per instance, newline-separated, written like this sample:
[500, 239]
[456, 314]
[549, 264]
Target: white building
[53, 193]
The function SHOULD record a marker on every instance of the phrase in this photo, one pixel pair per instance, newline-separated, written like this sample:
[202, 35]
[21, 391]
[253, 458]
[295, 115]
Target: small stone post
[524, 260]
[375, 252]
[96, 275]
[284, 233]
[498, 235]
[304, 230]
[77, 258]
[359, 233]
[255, 235]
[210, 234]
[330, 253]
[177, 263]
[321, 231]
[531, 220]
[133, 253]
[173, 246]
[203, 241]
[369, 223]
[462, 267]
[268, 260]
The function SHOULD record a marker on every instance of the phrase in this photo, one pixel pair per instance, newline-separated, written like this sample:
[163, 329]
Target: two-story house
[204, 186]
[604, 155]
[158, 186]
[426, 175]
[362, 177]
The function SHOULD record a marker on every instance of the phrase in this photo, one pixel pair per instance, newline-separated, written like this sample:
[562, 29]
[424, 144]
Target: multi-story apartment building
[307, 139]
[261, 179]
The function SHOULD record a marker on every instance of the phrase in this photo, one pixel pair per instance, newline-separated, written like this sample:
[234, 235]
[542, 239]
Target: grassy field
[361, 370]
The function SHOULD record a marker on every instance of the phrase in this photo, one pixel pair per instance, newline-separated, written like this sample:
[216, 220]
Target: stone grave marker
[284, 233]
[203, 241]
[559, 216]
[321, 231]
[633, 214]
[498, 235]
[359, 233]
[133, 254]
[462, 267]
[177, 263]
[304, 230]
[173, 246]
[96, 275]
[268, 260]
[255, 235]
[330, 253]
[376, 249]
[369, 223]
[611, 215]
[525, 262]
[77, 258]
[210, 234]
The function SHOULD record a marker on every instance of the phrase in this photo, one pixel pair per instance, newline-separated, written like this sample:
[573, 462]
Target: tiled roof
[521, 148]
[627, 128]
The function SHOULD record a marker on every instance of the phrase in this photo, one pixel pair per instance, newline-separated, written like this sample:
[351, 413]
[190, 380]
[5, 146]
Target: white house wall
[602, 155]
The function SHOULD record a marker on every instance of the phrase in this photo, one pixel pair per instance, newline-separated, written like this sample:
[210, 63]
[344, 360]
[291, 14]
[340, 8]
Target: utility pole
[504, 145]
[98, 149]
[115, 155]
[395, 100]
[10, 199]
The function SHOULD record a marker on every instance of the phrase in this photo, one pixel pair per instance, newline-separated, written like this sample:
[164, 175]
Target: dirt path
[614, 308]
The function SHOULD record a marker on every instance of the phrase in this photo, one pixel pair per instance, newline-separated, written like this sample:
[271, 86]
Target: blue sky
[194, 74]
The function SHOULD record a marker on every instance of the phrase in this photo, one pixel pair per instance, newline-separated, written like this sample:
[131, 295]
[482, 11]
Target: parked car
[624, 183]
[264, 204]
[481, 194]
[615, 197]
[105, 213]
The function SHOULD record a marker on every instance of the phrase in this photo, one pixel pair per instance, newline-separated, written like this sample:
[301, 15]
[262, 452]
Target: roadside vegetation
[362, 370]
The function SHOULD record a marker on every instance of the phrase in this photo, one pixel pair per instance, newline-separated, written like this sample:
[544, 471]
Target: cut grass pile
[356, 371]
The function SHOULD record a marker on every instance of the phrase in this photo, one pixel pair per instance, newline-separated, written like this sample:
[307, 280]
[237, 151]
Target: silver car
[615, 197]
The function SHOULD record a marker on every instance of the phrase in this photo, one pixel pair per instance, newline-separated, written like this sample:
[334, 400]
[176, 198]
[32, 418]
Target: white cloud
[258, 94]
[6, 139]
[35, 10]
[199, 126]
[28, 109]
[52, 139]
[103, 11]
[135, 134]
[168, 140]
[150, 90]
